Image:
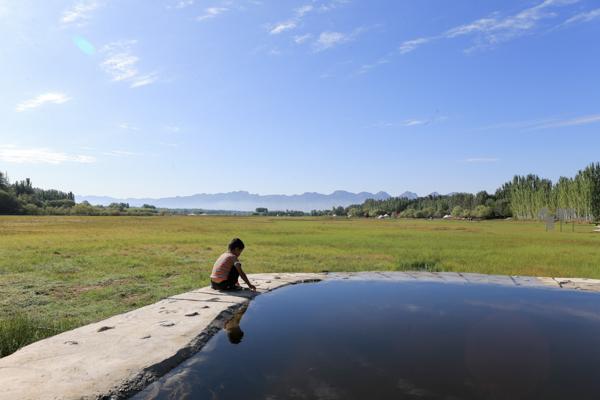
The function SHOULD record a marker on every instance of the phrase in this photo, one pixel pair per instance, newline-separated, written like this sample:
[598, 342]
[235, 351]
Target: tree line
[22, 197]
[524, 197]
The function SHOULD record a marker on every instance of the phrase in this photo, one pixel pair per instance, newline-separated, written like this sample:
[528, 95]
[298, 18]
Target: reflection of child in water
[234, 332]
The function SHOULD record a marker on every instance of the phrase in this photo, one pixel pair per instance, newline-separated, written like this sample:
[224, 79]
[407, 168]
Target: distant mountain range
[245, 201]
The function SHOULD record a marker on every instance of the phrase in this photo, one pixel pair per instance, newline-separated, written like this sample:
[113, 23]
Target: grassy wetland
[57, 273]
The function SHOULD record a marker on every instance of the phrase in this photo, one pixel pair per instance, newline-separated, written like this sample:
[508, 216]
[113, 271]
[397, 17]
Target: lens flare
[84, 45]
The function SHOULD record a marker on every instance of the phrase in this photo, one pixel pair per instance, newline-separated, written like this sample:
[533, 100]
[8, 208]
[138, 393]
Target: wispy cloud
[546, 123]
[143, 80]
[121, 153]
[212, 12]
[45, 98]
[368, 67]
[291, 23]
[584, 17]
[330, 39]
[495, 28]
[410, 45]
[127, 127]
[282, 27]
[299, 39]
[482, 160]
[18, 155]
[415, 122]
[184, 3]
[411, 122]
[303, 10]
[584, 120]
[332, 5]
[121, 64]
[300, 13]
[79, 13]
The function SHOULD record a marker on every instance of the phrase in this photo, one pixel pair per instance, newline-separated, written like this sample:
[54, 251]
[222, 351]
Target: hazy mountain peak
[244, 201]
[409, 195]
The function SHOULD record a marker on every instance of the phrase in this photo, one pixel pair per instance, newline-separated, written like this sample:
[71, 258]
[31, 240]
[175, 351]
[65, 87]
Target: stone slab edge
[117, 357]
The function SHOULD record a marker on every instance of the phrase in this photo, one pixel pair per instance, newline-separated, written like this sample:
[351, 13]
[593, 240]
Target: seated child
[228, 268]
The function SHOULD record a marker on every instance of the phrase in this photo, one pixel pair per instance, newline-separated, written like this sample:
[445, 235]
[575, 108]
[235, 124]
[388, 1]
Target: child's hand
[252, 287]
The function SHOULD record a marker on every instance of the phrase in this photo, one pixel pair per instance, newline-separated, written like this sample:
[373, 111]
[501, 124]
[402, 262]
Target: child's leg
[232, 278]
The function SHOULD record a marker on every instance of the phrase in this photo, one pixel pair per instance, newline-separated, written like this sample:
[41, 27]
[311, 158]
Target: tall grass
[20, 330]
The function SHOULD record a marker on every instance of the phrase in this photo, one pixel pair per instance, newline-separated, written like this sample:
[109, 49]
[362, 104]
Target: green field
[60, 272]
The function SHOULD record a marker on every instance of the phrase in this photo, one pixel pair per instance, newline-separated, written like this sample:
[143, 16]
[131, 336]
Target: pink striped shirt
[223, 266]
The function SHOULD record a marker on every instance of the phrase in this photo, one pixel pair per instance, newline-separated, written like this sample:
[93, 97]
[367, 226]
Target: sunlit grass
[76, 270]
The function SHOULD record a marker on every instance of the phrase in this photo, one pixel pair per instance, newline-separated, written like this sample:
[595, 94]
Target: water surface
[399, 340]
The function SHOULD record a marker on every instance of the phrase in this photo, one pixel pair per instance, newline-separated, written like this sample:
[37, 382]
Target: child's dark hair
[236, 243]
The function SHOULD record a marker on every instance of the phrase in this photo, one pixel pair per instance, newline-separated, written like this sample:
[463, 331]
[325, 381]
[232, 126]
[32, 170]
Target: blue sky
[175, 97]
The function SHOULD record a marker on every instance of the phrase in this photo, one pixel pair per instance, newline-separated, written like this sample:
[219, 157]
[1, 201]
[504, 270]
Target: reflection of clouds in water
[549, 309]
[412, 308]
[323, 391]
[410, 389]
[316, 389]
[179, 383]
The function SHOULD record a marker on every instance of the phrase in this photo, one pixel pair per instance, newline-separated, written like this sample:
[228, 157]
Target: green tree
[8, 203]
[457, 212]
[3, 182]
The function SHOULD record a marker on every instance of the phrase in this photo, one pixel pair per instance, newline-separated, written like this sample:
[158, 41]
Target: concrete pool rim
[117, 357]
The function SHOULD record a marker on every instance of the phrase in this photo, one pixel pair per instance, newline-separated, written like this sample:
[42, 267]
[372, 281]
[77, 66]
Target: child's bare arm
[238, 266]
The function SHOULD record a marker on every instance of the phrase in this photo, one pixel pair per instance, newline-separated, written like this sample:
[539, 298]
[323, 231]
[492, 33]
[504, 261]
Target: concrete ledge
[119, 356]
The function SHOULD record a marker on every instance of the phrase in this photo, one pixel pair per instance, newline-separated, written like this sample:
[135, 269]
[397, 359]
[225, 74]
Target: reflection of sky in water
[83, 45]
[355, 340]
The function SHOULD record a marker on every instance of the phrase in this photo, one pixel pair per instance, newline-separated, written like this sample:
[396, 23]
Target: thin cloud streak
[495, 29]
[584, 17]
[584, 120]
[144, 80]
[17, 155]
[411, 45]
[80, 13]
[547, 123]
[184, 3]
[408, 123]
[45, 98]
[299, 14]
[299, 39]
[282, 27]
[127, 127]
[212, 12]
[415, 122]
[291, 23]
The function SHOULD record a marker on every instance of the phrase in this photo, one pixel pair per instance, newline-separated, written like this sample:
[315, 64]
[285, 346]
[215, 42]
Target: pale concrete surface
[122, 354]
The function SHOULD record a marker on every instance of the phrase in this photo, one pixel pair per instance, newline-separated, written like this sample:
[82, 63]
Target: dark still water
[400, 340]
